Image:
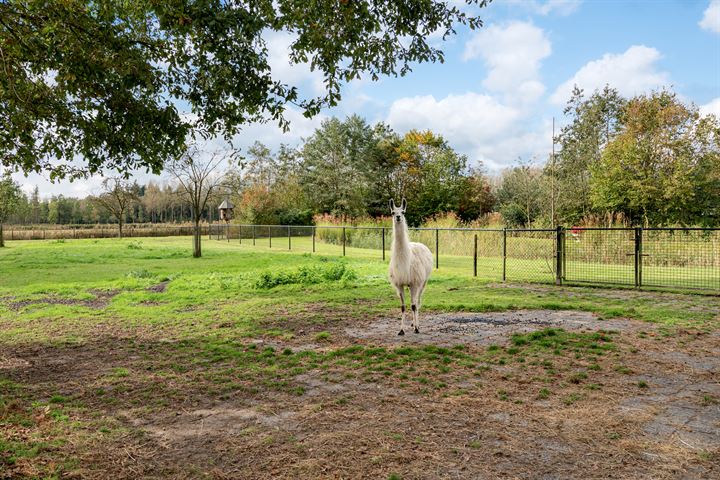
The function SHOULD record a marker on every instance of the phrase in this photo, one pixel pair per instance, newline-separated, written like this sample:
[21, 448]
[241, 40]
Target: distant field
[130, 359]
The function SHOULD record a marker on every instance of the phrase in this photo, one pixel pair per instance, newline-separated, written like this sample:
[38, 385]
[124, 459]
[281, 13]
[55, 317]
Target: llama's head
[398, 213]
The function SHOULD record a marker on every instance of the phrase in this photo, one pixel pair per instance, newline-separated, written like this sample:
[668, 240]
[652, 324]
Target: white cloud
[712, 107]
[474, 124]
[512, 53]
[711, 17]
[561, 7]
[632, 72]
[272, 136]
[79, 188]
[460, 118]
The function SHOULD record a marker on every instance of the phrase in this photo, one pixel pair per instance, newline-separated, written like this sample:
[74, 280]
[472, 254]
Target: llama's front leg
[415, 307]
[401, 294]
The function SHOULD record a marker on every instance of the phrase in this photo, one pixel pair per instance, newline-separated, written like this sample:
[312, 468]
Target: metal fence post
[289, 244]
[564, 255]
[343, 241]
[559, 244]
[504, 254]
[638, 256]
[475, 257]
[437, 248]
[383, 243]
[313, 238]
[637, 239]
[253, 234]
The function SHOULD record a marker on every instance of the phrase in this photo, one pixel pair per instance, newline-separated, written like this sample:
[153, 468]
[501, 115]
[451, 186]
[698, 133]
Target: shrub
[306, 275]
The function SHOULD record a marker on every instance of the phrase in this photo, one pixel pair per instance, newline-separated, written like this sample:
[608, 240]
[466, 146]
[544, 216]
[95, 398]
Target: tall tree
[100, 80]
[333, 159]
[270, 188]
[117, 197]
[428, 173]
[10, 195]
[664, 165]
[520, 195]
[476, 196]
[594, 121]
[35, 205]
[198, 179]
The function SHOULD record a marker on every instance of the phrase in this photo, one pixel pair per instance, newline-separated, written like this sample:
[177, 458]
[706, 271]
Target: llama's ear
[392, 204]
[403, 205]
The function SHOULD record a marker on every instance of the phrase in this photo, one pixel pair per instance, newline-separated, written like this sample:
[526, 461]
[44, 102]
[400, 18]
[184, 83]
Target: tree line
[153, 203]
[648, 160]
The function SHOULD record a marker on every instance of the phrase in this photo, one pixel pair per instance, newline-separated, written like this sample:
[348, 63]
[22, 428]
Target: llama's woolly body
[410, 266]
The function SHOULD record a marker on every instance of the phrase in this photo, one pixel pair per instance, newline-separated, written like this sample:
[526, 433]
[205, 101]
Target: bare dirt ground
[650, 410]
[484, 328]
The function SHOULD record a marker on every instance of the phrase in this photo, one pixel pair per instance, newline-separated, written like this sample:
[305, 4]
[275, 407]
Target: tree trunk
[2, 238]
[197, 252]
[120, 229]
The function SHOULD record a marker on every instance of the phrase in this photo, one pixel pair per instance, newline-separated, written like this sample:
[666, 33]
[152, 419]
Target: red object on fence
[576, 231]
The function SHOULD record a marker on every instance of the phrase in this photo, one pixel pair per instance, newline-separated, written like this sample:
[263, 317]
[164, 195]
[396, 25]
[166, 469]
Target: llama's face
[398, 213]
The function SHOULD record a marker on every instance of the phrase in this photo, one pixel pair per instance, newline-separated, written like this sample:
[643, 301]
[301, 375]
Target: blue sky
[496, 94]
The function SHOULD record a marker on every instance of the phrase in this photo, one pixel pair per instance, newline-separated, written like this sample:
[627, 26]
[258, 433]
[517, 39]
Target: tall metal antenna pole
[552, 178]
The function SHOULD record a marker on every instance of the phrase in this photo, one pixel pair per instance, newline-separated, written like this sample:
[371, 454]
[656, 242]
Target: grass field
[130, 359]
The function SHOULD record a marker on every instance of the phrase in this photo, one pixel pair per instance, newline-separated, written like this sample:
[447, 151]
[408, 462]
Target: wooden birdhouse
[226, 210]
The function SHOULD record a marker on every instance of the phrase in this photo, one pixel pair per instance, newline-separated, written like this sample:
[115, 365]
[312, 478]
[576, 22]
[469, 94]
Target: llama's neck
[401, 241]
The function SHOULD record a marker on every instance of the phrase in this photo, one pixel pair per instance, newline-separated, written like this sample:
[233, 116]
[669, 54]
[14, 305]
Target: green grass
[188, 326]
[225, 283]
[543, 394]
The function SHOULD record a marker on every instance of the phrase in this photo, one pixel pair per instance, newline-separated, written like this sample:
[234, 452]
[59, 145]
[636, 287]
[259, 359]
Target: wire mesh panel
[489, 254]
[453, 249]
[596, 255]
[681, 258]
[365, 238]
[654, 257]
[425, 236]
[329, 240]
[529, 255]
[300, 238]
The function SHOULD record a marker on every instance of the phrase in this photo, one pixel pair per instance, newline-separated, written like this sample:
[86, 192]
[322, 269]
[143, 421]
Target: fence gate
[602, 255]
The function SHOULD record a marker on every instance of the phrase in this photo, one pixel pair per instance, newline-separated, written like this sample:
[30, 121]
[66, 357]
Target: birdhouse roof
[226, 204]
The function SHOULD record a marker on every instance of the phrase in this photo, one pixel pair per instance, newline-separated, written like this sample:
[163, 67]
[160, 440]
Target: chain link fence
[678, 258]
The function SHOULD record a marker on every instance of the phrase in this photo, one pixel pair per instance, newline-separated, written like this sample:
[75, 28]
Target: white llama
[410, 266]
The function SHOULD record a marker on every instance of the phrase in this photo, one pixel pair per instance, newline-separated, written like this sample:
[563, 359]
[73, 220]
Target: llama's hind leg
[416, 306]
[401, 294]
[415, 293]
